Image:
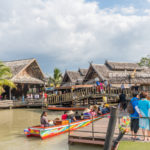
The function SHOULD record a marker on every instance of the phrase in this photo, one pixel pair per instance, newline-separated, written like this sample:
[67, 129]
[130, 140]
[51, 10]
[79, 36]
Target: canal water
[14, 121]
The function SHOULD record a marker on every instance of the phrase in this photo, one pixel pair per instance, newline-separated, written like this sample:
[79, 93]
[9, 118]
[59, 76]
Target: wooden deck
[21, 104]
[86, 136]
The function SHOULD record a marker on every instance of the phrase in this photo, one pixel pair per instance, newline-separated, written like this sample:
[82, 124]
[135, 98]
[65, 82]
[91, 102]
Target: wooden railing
[85, 93]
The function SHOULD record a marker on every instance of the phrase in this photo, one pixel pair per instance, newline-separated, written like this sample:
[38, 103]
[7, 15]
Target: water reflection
[12, 137]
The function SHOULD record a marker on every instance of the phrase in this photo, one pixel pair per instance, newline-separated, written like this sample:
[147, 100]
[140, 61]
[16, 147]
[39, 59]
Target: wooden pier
[28, 103]
[87, 96]
[95, 133]
[83, 97]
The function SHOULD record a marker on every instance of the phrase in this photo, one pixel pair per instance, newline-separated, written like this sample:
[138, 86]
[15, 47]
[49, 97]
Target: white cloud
[147, 11]
[71, 32]
[128, 10]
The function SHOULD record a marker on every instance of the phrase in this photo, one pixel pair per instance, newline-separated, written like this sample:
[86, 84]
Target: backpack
[130, 109]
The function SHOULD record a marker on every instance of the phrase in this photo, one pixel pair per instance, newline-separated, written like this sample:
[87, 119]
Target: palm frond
[57, 77]
[6, 82]
[5, 75]
[1, 90]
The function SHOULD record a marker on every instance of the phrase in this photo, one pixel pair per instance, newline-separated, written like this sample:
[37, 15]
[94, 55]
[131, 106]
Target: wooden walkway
[86, 94]
[29, 103]
[97, 136]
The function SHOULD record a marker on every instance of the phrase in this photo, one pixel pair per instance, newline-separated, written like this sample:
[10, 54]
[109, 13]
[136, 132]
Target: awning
[27, 79]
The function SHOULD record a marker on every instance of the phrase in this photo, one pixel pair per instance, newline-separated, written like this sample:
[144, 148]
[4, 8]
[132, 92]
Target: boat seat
[64, 122]
[57, 122]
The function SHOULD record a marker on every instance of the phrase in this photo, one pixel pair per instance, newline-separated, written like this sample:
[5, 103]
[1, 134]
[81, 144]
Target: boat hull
[66, 108]
[56, 130]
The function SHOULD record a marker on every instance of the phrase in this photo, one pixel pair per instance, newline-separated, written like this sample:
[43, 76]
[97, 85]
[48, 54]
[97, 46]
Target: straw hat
[106, 105]
[86, 110]
[95, 107]
[91, 107]
[70, 112]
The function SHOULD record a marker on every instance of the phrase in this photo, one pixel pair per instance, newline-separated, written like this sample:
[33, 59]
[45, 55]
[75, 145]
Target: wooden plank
[100, 129]
[85, 141]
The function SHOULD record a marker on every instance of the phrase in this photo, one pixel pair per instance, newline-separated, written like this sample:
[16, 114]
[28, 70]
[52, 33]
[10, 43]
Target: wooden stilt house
[117, 73]
[28, 78]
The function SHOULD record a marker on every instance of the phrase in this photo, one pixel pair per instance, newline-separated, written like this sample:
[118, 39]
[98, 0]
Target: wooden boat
[65, 108]
[62, 127]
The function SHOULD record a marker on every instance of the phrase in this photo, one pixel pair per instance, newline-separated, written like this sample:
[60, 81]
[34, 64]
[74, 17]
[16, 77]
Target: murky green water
[13, 122]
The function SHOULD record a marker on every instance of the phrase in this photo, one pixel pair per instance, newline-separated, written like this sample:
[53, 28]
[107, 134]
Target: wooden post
[92, 128]
[111, 129]
[9, 93]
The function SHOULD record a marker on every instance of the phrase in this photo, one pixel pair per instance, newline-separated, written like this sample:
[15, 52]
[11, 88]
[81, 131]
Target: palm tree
[5, 75]
[145, 61]
[56, 79]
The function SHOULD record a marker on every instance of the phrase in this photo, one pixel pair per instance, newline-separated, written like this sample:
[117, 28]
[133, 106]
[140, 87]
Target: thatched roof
[83, 72]
[25, 71]
[123, 66]
[27, 79]
[112, 72]
[17, 65]
[72, 76]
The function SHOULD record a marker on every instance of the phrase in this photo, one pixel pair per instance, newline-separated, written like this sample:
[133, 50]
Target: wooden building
[117, 73]
[28, 78]
[74, 77]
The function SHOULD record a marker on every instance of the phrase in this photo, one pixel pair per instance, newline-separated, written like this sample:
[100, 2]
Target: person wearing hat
[44, 120]
[105, 109]
[71, 116]
[87, 114]
[94, 110]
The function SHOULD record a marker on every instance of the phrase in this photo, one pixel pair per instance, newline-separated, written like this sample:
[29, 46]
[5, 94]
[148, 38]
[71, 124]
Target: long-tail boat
[65, 108]
[61, 127]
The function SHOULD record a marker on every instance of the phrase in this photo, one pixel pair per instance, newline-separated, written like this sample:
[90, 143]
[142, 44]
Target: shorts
[123, 105]
[134, 125]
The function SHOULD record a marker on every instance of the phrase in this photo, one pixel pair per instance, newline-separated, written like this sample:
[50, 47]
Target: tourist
[64, 116]
[104, 99]
[122, 86]
[97, 86]
[45, 97]
[102, 87]
[134, 116]
[144, 108]
[94, 110]
[87, 114]
[82, 116]
[93, 113]
[71, 116]
[136, 87]
[105, 83]
[44, 120]
[36, 96]
[122, 101]
[99, 112]
[31, 96]
[77, 116]
[106, 109]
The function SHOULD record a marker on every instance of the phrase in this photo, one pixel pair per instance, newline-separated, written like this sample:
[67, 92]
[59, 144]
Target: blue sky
[68, 34]
[122, 3]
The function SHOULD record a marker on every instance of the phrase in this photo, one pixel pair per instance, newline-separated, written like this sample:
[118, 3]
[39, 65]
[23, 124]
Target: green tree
[145, 61]
[5, 75]
[56, 79]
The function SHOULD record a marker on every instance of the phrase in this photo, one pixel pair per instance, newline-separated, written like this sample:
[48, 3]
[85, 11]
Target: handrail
[85, 93]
